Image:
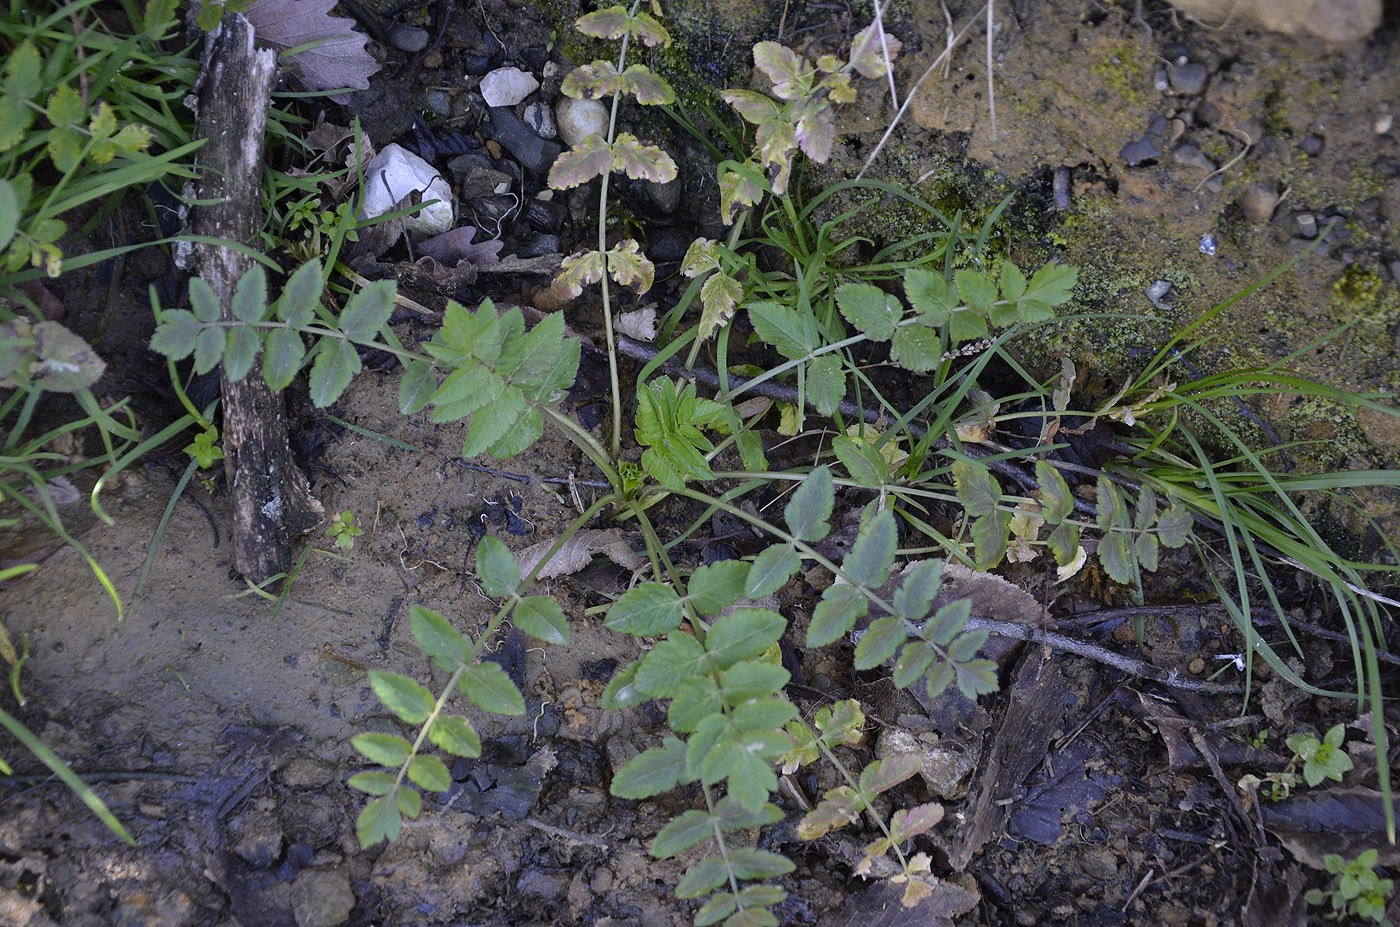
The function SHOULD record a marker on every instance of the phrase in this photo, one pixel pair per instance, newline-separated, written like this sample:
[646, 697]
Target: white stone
[507, 86]
[578, 119]
[394, 174]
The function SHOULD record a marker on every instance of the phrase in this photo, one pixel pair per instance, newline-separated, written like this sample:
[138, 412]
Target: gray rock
[1307, 224]
[945, 770]
[257, 838]
[475, 181]
[665, 196]
[1159, 294]
[539, 118]
[1311, 144]
[440, 102]
[542, 883]
[1189, 154]
[1188, 77]
[409, 39]
[534, 153]
[1139, 150]
[507, 86]
[322, 897]
[1258, 200]
[541, 245]
[545, 215]
[393, 174]
[1333, 20]
[578, 119]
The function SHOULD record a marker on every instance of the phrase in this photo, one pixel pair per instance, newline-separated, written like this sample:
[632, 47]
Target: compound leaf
[489, 688]
[335, 366]
[808, 512]
[496, 567]
[541, 617]
[401, 695]
[646, 610]
[771, 570]
[872, 555]
[652, 771]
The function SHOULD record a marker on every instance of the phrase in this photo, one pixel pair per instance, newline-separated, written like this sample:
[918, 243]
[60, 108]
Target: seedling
[1357, 889]
[343, 529]
[1322, 759]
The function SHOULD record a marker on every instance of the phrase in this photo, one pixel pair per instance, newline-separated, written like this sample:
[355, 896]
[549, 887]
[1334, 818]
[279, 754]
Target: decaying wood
[272, 500]
[1033, 711]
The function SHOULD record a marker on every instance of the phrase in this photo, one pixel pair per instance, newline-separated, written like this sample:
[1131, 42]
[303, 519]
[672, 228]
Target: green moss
[1121, 71]
[1357, 286]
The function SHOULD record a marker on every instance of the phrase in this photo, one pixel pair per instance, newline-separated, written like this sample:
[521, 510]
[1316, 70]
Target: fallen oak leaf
[577, 552]
[338, 58]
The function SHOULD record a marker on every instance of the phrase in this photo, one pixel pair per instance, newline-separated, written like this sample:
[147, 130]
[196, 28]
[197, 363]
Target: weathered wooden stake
[272, 500]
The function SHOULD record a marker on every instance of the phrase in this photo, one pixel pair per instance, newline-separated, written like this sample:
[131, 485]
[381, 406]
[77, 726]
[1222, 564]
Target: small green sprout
[1322, 759]
[204, 449]
[344, 530]
[1358, 890]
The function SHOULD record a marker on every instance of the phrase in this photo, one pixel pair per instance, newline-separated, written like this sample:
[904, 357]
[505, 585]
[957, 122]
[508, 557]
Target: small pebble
[1060, 186]
[1159, 80]
[1189, 154]
[1188, 78]
[1310, 144]
[1208, 244]
[1383, 124]
[1395, 270]
[1307, 224]
[665, 196]
[541, 245]
[1158, 292]
[578, 119]
[440, 102]
[1139, 150]
[507, 86]
[1258, 200]
[411, 39]
[538, 117]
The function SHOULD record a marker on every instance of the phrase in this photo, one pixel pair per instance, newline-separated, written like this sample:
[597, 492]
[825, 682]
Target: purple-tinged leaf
[839, 807]
[737, 189]
[629, 267]
[753, 107]
[639, 161]
[590, 158]
[910, 822]
[577, 271]
[592, 81]
[816, 131]
[883, 775]
[791, 76]
[870, 50]
[608, 23]
[646, 86]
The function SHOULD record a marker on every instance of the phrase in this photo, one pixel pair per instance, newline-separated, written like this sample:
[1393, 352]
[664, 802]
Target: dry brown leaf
[455, 246]
[339, 61]
[578, 552]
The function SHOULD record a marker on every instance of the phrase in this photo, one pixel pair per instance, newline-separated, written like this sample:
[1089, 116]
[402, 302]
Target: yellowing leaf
[639, 161]
[590, 158]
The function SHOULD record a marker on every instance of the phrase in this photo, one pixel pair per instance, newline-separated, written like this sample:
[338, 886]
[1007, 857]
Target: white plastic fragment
[395, 173]
[507, 86]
